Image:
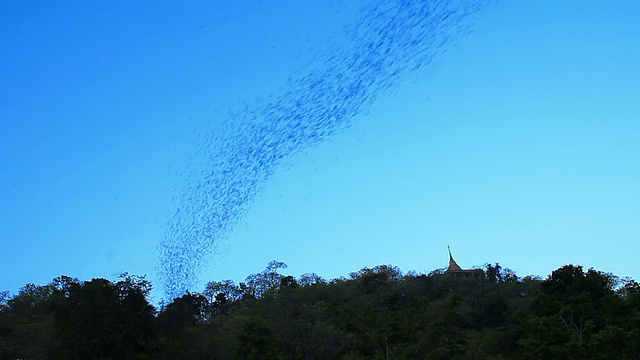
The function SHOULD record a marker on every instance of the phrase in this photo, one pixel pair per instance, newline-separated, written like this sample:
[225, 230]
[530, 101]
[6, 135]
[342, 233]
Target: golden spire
[453, 266]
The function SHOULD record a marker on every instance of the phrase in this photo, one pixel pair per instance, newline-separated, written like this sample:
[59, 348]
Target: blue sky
[517, 145]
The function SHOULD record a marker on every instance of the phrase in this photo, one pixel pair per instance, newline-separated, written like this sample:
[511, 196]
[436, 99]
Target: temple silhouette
[456, 270]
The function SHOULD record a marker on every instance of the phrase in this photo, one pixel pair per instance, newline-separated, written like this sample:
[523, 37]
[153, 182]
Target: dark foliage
[375, 313]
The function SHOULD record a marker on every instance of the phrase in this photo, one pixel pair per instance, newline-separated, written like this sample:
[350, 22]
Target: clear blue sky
[517, 145]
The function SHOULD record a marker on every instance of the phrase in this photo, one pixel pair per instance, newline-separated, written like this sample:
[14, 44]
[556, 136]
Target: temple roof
[455, 268]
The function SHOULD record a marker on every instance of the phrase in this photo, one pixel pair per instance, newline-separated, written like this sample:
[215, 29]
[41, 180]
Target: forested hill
[376, 313]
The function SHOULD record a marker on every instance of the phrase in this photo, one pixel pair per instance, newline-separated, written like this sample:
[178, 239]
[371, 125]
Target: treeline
[376, 313]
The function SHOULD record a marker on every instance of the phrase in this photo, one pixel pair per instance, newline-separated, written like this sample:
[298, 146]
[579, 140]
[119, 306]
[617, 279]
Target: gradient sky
[518, 145]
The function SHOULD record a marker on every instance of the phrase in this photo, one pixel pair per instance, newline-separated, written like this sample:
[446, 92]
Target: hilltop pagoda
[456, 270]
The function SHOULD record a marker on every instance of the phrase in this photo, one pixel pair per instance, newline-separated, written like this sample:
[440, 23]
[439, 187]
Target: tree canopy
[374, 313]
